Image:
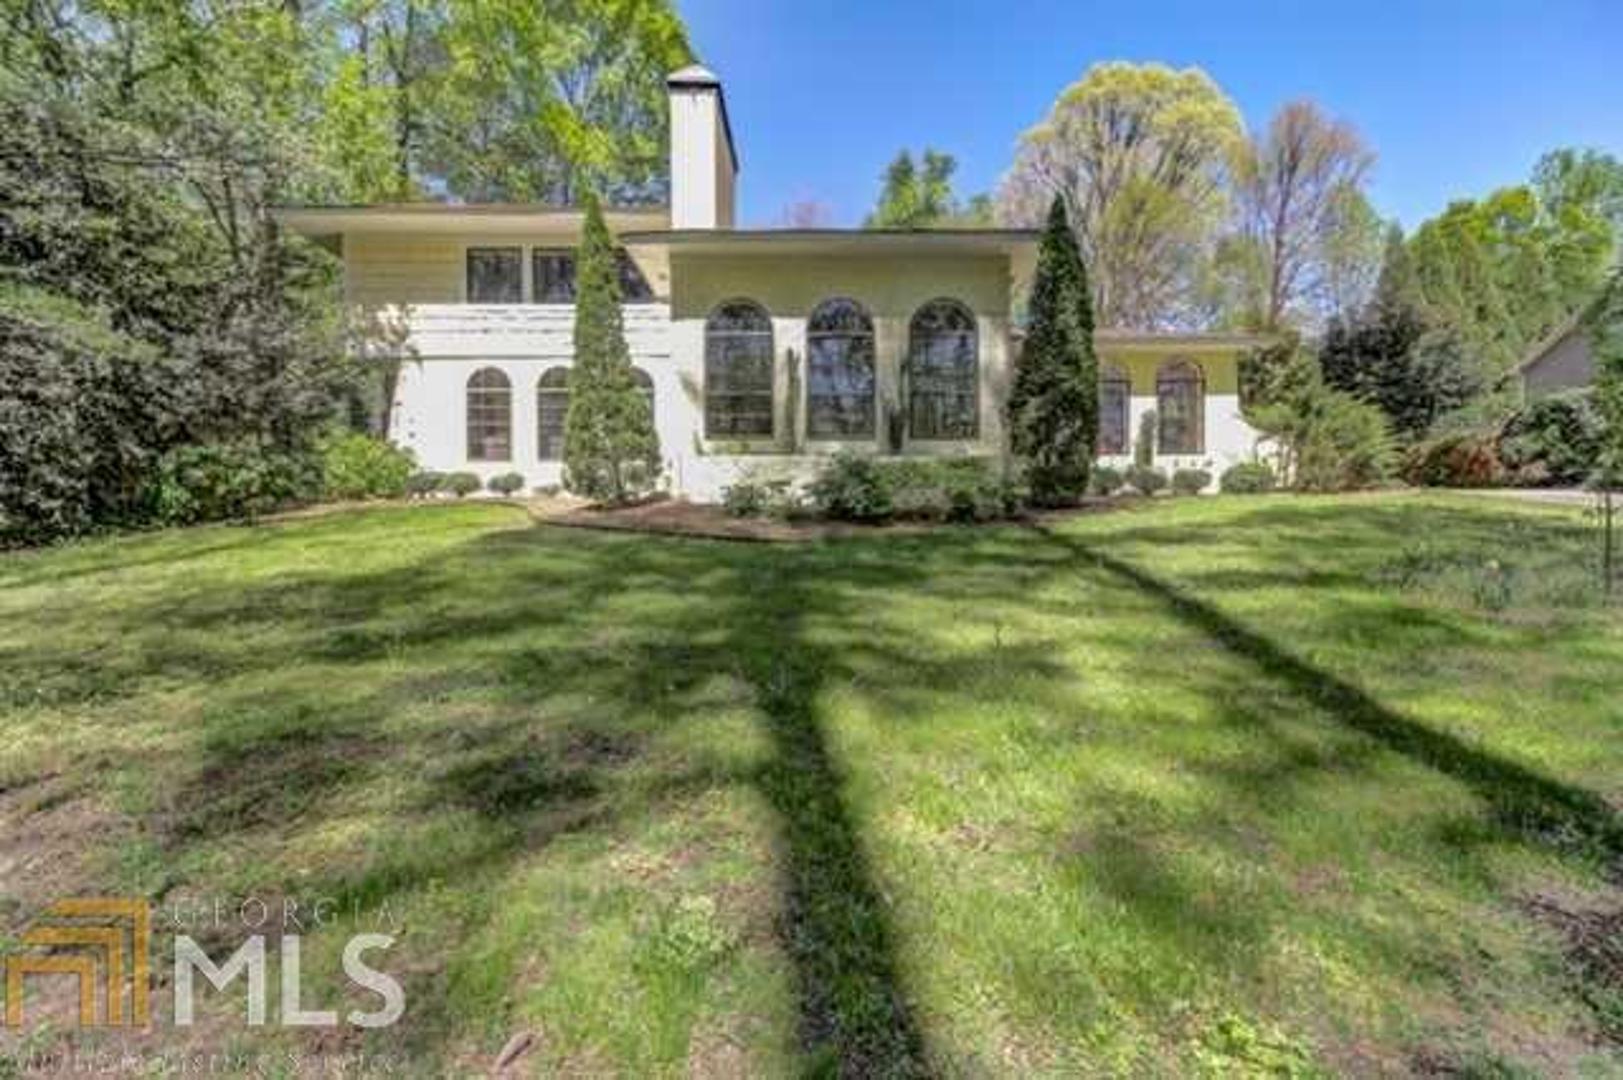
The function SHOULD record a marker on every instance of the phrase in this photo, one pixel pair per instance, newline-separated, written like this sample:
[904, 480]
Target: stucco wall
[1229, 439]
[1568, 364]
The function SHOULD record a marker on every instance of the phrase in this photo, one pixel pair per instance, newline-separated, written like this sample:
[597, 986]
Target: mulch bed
[678, 517]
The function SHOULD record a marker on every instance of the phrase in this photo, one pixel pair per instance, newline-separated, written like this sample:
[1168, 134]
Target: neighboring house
[762, 350]
[1563, 361]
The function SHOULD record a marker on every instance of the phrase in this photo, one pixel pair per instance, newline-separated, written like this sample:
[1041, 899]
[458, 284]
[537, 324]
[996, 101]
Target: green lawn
[1271, 785]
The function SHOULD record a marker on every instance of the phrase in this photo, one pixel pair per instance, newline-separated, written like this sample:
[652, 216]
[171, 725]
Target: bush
[1340, 443]
[1466, 460]
[1555, 439]
[1144, 447]
[1190, 481]
[746, 498]
[1106, 480]
[231, 480]
[419, 484]
[506, 483]
[355, 466]
[1146, 479]
[852, 487]
[461, 483]
[1247, 478]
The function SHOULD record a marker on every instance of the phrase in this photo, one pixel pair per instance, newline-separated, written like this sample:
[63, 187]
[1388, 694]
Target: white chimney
[704, 165]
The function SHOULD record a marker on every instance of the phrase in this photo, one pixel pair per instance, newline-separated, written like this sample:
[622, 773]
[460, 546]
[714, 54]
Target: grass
[1272, 785]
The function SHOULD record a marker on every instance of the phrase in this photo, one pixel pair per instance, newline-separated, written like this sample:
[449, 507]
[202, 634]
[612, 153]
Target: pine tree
[611, 451]
[1054, 403]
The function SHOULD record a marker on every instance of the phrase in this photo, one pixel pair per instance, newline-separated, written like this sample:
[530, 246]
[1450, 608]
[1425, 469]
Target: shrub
[1555, 439]
[1339, 443]
[356, 466]
[1144, 448]
[419, 484]
[1470, 459]
[461, 483]
[506, 483]
[1190, 481]
[1146, 479]
[1247, 478]
[1107, 480]
[746, 498]
[851, 487]
[213, 482]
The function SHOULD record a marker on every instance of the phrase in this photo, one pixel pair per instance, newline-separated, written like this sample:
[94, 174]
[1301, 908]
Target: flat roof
[453, 217]
[835, 241]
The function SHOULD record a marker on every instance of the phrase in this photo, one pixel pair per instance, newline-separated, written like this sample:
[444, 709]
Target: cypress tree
[611, 451]
[1054, 402]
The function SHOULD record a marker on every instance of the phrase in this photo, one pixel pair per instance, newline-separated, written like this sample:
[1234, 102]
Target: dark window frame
[1117, 378]
[755, 345]
[924, 388]
[847, 330]
[1175, 378]
[514, 295]
[551, 401]
[480, 414]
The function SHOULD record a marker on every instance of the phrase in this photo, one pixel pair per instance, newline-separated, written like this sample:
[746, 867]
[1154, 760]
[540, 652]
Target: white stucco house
[763, 349]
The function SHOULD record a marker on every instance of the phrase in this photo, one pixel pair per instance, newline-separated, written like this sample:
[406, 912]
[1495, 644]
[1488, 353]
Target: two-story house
[762, 349]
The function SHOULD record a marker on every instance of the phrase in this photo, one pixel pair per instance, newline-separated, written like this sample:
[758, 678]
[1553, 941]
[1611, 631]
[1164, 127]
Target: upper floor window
[942, 360]
[1180, 397]
[490, 416]
[553, 273]
[839, 371]
[1115, 393]
[738, 372]
[495, 275]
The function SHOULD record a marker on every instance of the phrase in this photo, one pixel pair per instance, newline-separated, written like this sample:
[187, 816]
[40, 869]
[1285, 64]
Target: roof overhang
[448, 218]
[1160, 341]
[837, 241]
[1554, 338]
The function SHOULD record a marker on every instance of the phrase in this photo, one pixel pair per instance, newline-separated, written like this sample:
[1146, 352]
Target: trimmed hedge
[1146, 479]
[1247, 478]
[355, 466]
[1190, 481]
[853, 487]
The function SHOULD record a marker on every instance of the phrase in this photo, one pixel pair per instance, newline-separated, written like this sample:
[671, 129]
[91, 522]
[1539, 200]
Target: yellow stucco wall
[1220, 365]
[791, 285]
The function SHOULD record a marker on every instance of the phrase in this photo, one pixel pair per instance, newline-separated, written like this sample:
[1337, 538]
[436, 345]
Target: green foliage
[920, 197]
[214, 482]
[611, 451]
[419, 484]
[1146, 479]
[461, 484]
[356, 466]
[852, 487]
[1391, 355]
[1190, 481]
[1604, 324]
[506, 483]
[1247, 478]
[1460, 459]
[1054, 401]
[1144, 447]
[1328, 440]
[1139, 153]
[1106, 480]
[1553, 440]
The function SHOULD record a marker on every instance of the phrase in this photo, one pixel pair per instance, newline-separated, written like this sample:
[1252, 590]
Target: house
[762, 350]
[1563, 361]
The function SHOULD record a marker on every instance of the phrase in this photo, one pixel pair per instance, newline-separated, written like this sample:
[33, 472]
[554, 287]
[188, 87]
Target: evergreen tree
[1393, 356]
[1054, 403]
[611, 451]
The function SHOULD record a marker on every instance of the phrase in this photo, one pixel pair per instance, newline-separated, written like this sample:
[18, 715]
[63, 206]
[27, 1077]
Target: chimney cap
[692, 75]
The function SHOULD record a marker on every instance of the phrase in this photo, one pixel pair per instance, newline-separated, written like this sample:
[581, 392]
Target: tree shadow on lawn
[584, 652]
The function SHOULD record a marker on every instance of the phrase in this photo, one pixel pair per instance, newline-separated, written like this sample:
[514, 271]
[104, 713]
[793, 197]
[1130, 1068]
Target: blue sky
[1456, 98]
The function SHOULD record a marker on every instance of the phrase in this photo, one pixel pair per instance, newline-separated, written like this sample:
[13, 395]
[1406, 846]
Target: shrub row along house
[762, 350]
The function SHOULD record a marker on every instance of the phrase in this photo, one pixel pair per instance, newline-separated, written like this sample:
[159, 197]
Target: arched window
[490, 416]
[738, 372]
[839, 371]
[551, 407]
[1180, 408]
[644, 382]
[942, 363]
[1115, 392]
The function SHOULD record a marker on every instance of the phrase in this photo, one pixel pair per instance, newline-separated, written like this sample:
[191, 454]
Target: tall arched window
[1115, 392]
[551, 407]
[644, 382]
[738, 372]
[490, 416]
[1180, 407]
[942, 363]
[839, 371]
